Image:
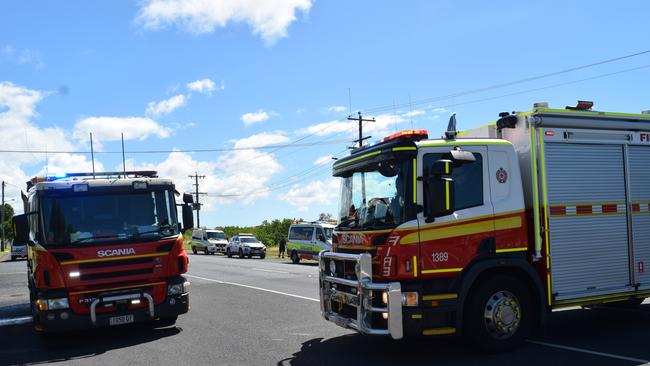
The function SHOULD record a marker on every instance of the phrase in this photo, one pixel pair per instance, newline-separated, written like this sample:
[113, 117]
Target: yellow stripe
[444, 270]
[446, 167]
[462, 230]
[533, 162]
[415, 181]
[440, 297]
[508, 250]
[118, 288]
[447, 194]
[416, 316]
[342, 246]
[357, 158]
[407, 148]
[464, 143]
[114, 258]
[438, 331]
[415, 266]
[367, 232]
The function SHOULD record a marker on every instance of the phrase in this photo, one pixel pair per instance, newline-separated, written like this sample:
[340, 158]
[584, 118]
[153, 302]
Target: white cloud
[268, 19]
[21, 56]
[166, 106]
[262, 139]
[417, 112]
[19, 132]
[323, 160]
[240, 177]
[205, 86]
[327, 128]
[111, 128]
[254, 117]
[322, 192]
[336, 109]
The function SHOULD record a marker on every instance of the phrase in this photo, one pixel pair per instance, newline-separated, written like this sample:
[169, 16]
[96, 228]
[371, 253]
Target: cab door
[449, 243]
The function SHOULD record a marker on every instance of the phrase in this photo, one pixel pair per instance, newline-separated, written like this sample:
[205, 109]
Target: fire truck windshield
[374, 199]
[102, 218]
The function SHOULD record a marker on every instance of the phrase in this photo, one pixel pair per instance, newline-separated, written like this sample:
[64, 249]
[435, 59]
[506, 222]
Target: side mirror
[21, 229]
[440, 191]
[188, 198]
[322, 238]
[188, 217]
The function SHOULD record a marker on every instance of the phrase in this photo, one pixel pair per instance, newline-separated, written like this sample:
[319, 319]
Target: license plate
[119, 320]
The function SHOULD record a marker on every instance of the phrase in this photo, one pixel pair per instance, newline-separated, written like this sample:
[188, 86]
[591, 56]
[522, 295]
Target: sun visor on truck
[367, 159]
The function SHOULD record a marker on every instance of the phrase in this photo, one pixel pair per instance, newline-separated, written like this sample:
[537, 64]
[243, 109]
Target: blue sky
[176, 75]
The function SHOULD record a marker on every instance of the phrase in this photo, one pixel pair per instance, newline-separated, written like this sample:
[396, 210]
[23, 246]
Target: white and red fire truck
[104, 249]
[483, 233]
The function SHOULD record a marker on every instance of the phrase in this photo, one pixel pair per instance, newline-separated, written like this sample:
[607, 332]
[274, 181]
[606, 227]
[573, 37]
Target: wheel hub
[502, 314]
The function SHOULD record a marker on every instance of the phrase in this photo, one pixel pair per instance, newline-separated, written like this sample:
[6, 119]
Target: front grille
[99, 276]
[121, 262]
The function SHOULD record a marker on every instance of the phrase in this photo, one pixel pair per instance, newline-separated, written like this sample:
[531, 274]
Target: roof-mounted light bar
[583, 105]
[413, 135]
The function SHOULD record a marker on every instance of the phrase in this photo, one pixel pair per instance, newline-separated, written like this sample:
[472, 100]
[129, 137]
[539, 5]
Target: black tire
[193, 249]
[250, 256]
[295, 258]
[13, 258]
[166, 322]
[228, 253]
[498, 298]
[262, 256]
[241, 253]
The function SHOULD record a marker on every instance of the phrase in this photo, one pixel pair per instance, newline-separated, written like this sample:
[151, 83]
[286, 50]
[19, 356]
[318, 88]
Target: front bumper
[254, 251]
[66, 319]
[348, 297]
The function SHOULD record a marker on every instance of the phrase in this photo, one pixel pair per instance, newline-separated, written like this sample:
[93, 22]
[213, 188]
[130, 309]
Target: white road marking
[15, 321]
[269, 270]
[254, 288]
[582, 350]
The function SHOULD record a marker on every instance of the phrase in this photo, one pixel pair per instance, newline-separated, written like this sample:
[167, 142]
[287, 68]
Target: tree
[324, 216]
[6, 225]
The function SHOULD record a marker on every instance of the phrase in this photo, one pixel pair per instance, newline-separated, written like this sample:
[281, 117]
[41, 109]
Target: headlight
[53, 304]
[178, 288]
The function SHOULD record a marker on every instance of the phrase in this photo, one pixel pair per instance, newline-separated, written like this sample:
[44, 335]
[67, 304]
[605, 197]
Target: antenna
[451, 132]
[92, 154]
[123, 158]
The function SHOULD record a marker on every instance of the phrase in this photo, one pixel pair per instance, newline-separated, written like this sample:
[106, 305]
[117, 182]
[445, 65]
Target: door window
[468, 180]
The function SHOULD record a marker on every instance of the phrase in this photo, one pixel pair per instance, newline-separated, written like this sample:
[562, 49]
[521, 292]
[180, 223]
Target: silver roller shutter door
[639, 163]
[589, 253]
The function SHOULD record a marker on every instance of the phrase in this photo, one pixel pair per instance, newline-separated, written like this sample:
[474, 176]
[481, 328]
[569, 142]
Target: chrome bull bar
[362, 299]
[146, 296]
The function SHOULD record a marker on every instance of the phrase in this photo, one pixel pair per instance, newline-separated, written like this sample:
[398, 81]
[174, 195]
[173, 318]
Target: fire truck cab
[482, 233]
[104, 249]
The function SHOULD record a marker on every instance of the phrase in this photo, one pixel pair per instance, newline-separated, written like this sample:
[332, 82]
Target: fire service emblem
[502, 175]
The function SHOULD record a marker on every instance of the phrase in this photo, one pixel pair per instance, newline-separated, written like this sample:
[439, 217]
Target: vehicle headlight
[54, 304]
[178, 288]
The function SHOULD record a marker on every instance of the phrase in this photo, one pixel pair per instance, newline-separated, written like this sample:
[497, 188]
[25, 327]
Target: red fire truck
[104, 249]
[483, 233]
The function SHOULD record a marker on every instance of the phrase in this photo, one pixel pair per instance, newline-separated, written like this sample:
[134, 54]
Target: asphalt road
[265, 312]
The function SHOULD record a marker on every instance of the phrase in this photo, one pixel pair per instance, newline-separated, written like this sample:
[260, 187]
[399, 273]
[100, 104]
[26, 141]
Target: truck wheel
[295, 258]
[193, 249]
[241, 254]
[228, 253]
[629, 303]
[499, 314]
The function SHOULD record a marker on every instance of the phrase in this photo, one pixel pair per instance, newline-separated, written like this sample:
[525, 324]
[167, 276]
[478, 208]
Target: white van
[306, 240]
[208, 241]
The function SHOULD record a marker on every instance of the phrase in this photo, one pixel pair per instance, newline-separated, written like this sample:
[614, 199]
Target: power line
[197, 204]
[264, 147]
[509, 83]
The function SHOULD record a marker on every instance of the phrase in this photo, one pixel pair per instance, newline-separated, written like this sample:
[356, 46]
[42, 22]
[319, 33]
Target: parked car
[18, 250]
[209, 241]
[245, 245]
[306, 240]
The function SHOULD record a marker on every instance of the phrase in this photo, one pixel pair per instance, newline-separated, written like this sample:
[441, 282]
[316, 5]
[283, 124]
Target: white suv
[245, 245]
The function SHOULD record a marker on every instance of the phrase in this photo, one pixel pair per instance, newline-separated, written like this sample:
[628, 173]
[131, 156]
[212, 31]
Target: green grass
[6, 251]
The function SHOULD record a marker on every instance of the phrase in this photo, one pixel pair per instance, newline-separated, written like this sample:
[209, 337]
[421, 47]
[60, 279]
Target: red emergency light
[414, 135]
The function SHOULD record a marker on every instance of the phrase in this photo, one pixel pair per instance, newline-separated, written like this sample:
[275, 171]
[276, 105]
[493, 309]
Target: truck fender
[481, 266]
